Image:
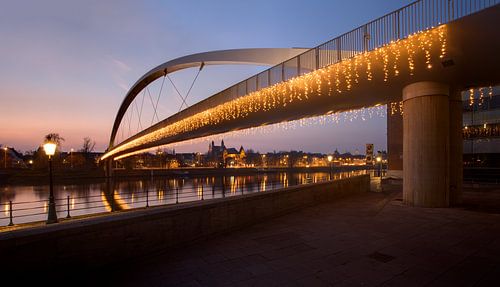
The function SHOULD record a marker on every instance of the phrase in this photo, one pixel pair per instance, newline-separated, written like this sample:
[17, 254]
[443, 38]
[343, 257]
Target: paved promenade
[365, 240]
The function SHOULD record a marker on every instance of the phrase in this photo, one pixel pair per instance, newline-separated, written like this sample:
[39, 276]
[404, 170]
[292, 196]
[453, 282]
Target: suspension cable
[158, 99]
[142, 105]
[153, 105]
[192, 84]
[175, 87]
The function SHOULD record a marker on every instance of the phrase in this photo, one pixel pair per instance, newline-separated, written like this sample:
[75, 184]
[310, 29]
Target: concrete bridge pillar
[108, 167]
[431, 145]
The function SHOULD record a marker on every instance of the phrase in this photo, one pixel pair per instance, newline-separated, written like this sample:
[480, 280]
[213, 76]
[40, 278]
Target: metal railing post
[67, 204]
[316, 52]
[366, 37]
[339, 50]
[213, 190]
[202, 192]
[11, 223]
[176, 195]
[147, 198]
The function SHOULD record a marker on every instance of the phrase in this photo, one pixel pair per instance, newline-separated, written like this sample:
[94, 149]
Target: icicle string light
[333, 118]
[471, 97]
[305, 87]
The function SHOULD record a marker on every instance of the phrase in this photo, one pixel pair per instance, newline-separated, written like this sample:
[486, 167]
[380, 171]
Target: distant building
[221, 156]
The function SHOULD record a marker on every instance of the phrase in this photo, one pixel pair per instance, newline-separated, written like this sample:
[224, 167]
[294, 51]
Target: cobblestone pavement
[366, 240]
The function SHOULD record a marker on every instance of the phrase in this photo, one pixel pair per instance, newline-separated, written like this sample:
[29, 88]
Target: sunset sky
[65, 66]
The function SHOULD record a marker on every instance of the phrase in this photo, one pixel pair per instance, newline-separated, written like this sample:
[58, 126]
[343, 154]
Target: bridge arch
[252, 56]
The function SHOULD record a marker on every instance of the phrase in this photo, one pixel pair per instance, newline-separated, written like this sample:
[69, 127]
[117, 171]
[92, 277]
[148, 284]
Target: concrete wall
[121, 236]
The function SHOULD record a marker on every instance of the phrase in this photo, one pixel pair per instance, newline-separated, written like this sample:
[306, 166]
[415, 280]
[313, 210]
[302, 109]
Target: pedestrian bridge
[451, 45]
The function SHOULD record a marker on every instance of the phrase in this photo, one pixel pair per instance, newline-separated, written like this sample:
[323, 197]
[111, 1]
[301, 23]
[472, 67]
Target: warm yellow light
[49, 148]
[379, 159]
[31, 161]
[330, 158]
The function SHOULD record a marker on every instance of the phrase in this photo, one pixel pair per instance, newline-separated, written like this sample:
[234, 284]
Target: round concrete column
[426, 137]
[108, 167]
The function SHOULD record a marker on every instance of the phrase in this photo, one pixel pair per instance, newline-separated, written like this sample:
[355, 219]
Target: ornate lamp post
[330, 158]
[50, 150]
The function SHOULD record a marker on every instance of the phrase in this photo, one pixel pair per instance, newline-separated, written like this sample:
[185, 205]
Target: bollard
[10, 214]
[176, 195]
[67, 204]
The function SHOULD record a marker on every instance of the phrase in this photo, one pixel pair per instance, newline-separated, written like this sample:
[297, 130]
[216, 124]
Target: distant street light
[5, 157]
[330, 158]
[71, 157]
[379, 161]
[50, 150]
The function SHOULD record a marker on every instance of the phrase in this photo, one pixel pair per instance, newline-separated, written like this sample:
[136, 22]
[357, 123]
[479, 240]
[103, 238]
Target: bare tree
[88, 145]
[55, 138]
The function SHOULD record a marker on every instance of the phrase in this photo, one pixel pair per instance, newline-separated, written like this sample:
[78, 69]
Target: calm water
[30, 202]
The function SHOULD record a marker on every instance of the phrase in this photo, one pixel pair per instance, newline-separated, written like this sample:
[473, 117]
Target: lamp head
[330, 158]
[49, 148]
[379, 158]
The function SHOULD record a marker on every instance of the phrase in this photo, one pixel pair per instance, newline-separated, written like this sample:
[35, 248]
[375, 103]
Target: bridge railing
[408, 20]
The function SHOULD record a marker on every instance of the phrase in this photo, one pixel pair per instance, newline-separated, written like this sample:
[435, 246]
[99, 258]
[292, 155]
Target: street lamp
[379, 161]
[50, 150]
[330, 158]
[71, 157]
[5, 157]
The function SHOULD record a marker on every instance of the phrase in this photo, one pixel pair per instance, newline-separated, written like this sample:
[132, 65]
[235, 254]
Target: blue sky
[65, 66]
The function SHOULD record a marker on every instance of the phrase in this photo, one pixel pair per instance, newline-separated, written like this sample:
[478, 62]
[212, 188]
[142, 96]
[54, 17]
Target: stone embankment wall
[102, 240]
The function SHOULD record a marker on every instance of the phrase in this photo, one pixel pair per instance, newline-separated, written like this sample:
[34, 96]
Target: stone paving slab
[366, 240]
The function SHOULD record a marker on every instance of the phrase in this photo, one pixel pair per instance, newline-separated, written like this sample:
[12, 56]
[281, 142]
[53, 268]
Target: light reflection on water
[30, 203]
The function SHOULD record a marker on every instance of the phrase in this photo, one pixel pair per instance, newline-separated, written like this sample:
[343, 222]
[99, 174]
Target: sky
[65, 66]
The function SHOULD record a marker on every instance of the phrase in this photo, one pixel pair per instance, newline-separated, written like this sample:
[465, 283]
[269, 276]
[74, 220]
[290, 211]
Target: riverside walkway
[364, 240]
